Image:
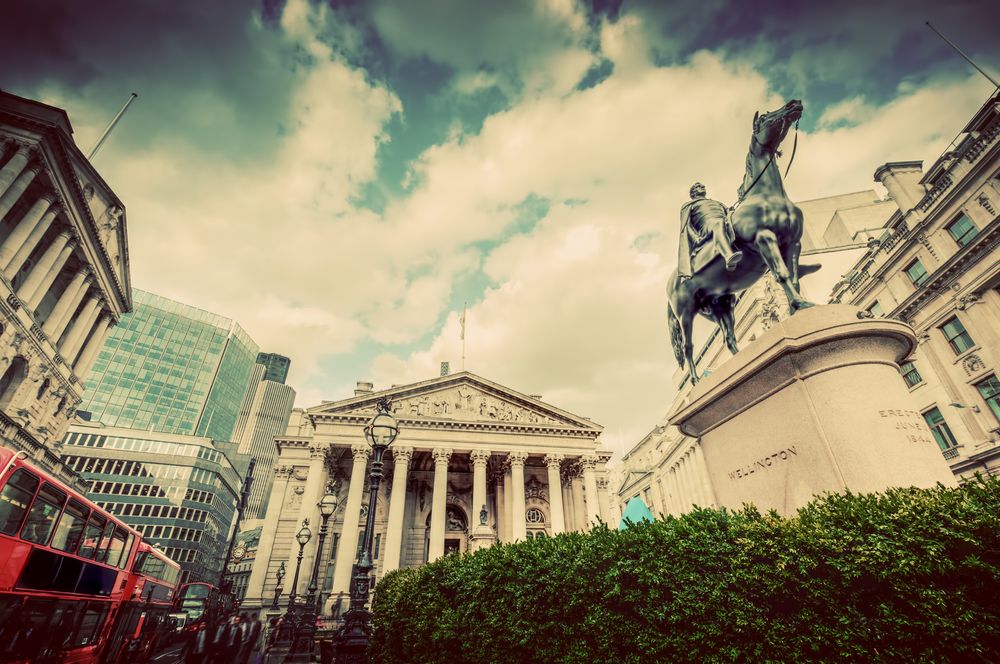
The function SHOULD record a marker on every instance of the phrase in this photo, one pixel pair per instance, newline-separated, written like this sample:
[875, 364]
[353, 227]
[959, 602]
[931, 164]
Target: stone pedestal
[815, 405]
[481, 538]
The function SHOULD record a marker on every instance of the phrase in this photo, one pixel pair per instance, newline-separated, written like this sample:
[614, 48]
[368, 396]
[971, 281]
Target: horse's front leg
[722, 309]
[767, 245]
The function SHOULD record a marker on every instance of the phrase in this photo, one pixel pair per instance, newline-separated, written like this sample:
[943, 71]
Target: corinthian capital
[361, 452]
[479, 457]
[554, 460]
[441, 455]
[589, 461]
[402, 455]
[517, 458]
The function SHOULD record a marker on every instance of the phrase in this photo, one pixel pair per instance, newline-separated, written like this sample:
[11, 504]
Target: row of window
[160, 471]
[990, 391]
[179, 555]
[169, 532]
[157, 511]
[44, 514]
[141, 445]
[961, 230]
[36, 629]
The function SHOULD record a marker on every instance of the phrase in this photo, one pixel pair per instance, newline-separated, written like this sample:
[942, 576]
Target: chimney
[902, 180]
[362, 388]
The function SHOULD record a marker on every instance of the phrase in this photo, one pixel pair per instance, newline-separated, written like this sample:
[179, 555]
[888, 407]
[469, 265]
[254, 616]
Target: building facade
[266, 408]
[173, 368]
[179, 491]
[666, 469]
[276, 366]
[64, 275]
[936, 265]
[474, 463]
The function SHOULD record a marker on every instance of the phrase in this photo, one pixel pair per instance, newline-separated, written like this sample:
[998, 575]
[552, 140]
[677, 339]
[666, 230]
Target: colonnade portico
[63, 271]
[451, 484]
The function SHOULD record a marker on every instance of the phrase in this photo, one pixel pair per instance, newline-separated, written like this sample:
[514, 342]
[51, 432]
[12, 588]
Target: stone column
[554, 463]
[80, 327]
[706, 484]
[579, 514]
[519, 530]
[315, 482]
[39, 273]
[508, 506]
[397, 504]
[590, 489]
[675, 488]
[26, 233]
[14, 166]
[439, 503]
[690, 498]
[657, 492]
[86, 359]
[68, 302]
[348, 547]
[17, 187]
[479, 460]
[259, 571]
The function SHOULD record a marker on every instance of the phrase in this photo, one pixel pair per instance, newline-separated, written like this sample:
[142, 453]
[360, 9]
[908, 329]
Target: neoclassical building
[474, 463]
[64, 274]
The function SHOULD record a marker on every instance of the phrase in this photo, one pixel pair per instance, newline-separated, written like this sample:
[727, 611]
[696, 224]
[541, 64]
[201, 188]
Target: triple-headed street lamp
[354, 636]
[278, 587]
[305, 632]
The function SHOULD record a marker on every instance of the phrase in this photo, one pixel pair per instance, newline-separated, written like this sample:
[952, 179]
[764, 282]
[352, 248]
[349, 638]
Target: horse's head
[770, 129]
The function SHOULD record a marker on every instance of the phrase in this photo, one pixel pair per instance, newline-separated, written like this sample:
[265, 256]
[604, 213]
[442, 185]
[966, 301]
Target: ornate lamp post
[305, 633]
[291, 615]
[353, 638]
[278, 587]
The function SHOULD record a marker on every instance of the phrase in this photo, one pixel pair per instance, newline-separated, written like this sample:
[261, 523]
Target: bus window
[14, 500]
[43, 514]
[70, 528]
[90, 625]
[92, 536]
[102, 553]
[117, 547]
[128, 551]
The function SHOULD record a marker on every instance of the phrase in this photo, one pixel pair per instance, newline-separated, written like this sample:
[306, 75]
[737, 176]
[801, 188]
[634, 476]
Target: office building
[179, 491]
[263, 415]
[277, 366]
[172, 368]
[64, 275]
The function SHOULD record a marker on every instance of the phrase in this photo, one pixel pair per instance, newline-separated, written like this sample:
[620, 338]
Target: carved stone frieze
[464, 402]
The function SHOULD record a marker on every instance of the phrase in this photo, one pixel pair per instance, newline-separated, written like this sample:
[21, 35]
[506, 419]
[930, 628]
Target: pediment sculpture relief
[464, 403]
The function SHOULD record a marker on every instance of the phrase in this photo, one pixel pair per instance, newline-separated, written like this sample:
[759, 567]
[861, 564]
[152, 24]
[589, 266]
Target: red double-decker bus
[65, 567]
[144, 624]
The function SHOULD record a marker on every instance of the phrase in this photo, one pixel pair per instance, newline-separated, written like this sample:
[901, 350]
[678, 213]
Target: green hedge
[908, 575]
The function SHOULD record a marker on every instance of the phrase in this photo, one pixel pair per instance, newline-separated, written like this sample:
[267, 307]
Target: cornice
[464, 425]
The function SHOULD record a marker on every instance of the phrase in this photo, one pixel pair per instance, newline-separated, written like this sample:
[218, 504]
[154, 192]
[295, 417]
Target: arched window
[534, 516]
[12, 379]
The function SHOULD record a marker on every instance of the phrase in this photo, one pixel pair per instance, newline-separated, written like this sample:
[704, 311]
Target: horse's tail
[676, 336]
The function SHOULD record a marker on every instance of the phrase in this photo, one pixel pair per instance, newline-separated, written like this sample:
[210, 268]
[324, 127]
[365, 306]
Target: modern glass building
[277, 366]
[172, 368]
[179, 491]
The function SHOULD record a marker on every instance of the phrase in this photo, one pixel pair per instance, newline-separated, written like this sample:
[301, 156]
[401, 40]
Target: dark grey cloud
[208, 73]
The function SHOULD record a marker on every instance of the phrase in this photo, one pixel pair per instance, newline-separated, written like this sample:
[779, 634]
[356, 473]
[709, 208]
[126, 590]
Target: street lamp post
[278, 587]
[356, 632]
[291, 615]
[305, 632]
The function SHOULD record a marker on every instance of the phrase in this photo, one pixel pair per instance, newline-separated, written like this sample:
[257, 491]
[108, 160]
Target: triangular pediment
[634, 477]
[462, 397]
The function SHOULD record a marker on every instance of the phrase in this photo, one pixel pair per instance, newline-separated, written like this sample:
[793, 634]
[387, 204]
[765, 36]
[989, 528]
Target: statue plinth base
[815, 405]
[482, 537]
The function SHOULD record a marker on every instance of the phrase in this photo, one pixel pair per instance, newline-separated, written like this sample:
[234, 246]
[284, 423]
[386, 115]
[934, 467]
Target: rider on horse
[704, 221]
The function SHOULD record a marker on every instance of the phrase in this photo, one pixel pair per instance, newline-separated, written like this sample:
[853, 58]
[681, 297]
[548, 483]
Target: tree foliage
[908, 575]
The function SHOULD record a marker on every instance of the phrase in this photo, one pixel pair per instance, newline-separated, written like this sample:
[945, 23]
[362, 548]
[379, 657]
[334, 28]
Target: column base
[482, 537]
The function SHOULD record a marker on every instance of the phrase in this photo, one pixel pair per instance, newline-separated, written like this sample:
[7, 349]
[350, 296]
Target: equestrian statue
[725, 251]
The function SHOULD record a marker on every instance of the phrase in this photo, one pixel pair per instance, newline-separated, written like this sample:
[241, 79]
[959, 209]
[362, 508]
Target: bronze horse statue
[768, 229]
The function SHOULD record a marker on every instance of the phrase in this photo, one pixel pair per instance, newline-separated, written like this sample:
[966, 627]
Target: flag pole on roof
[111, 126]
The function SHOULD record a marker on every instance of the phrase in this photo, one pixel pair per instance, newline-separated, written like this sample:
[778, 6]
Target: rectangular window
[910, 374]
[70, 528]
[962, 230]
[957, 337]
[14, 500]
[916, 272]
[989, 389]
[876, 310]
[942, 434]
[42, 517]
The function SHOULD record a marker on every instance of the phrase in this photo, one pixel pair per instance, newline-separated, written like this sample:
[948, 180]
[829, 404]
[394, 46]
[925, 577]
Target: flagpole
[111, 126]
[464, 309]
[962, 53]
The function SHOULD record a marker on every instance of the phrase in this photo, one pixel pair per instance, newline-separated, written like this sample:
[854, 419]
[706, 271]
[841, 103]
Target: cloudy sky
[341, 178]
